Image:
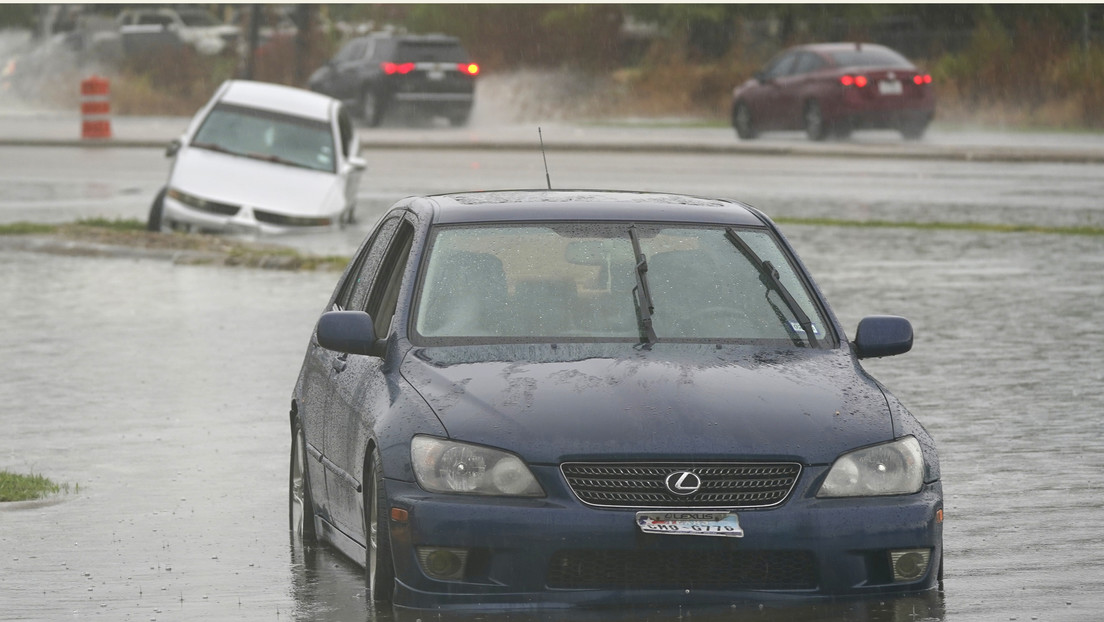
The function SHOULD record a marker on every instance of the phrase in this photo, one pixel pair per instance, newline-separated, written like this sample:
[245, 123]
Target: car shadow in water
[327, 587]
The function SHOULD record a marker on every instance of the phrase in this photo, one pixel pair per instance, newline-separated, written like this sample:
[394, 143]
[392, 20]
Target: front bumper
[244, 220]
[559, 552]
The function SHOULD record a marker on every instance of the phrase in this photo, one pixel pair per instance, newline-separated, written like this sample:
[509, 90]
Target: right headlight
[441, 465]
[895, 468]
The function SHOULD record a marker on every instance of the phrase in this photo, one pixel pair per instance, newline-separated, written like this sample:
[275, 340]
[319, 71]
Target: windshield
[579, 282]
[269, 136]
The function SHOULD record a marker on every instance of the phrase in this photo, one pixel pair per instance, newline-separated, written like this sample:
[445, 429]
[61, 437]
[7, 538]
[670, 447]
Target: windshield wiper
[213, 147]
[768, 275]
[644, 306]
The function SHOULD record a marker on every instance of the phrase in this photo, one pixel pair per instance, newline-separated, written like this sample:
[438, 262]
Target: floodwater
[159, 393]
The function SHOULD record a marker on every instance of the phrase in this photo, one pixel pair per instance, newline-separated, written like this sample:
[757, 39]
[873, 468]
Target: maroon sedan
[833, 88]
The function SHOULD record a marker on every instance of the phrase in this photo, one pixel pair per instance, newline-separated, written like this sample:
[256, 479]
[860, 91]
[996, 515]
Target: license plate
[435, 74]
[724, 524]
[890, 87]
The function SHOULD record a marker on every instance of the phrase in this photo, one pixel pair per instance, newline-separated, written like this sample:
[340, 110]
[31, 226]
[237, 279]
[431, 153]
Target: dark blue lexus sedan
[576, 398]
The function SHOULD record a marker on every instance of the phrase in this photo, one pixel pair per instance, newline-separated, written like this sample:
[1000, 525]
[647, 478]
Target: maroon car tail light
[849, 80]
[922, 79]
[471, 69]
[399, 68]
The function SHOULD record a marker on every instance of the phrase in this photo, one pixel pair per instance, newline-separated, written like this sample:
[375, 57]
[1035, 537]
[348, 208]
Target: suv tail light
[849, 80]
[400, 68]
[470, 69]
[922, 79]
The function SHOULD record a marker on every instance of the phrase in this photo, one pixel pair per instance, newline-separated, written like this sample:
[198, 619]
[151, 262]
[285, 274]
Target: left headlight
[895, 468]
[451, 467]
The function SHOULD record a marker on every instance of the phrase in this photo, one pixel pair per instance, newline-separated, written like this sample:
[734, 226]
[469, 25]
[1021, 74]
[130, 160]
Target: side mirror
[358, 163]
[351, 332]
[173, 148]
[882, 335]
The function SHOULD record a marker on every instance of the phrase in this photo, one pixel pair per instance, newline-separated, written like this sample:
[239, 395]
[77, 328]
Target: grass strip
[18, 487]
[943, 226]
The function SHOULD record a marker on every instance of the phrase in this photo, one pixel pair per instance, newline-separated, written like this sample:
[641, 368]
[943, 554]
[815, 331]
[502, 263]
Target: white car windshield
[269, 136]
[578, 282]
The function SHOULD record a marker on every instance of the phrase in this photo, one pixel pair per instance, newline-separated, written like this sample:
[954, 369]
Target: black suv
[383, 73]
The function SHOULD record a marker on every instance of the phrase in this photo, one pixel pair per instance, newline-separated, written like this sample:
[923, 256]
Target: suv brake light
[470, 69]
[400, 68]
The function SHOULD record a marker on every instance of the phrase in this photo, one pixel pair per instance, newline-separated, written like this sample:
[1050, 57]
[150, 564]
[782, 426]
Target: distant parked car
[833, 88]
[262, 158]
[383, 73]
[555, 398]
[193, 26]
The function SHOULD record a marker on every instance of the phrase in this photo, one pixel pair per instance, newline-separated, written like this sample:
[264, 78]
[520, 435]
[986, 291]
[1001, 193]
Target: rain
[158, 391]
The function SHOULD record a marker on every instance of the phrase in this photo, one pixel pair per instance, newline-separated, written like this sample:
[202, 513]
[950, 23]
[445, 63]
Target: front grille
[273, 218]
[719, 570]
[203, 205]
[727, 485]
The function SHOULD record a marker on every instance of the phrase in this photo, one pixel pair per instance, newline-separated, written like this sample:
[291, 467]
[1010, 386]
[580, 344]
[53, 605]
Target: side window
[355, 289]
[352, 51]
[385, 292]
[808, 62]
[781, 67]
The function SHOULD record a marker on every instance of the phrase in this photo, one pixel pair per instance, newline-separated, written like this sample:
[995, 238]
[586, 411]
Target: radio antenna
[547, 177]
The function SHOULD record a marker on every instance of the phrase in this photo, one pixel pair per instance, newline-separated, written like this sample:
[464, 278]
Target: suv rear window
[432, 51]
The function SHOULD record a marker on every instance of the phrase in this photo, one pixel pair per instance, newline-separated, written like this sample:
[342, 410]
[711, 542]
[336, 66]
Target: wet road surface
[162, 392]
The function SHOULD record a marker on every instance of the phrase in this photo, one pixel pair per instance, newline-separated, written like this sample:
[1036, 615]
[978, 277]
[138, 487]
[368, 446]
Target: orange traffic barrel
[95, 107]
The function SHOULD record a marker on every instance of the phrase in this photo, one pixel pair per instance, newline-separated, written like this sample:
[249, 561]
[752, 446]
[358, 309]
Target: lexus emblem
[683, 483]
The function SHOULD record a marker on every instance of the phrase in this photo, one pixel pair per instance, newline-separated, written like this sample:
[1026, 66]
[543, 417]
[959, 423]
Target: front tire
[742, 122]
[300, 502]
[379, 565]
[815, 127]
[153, 222]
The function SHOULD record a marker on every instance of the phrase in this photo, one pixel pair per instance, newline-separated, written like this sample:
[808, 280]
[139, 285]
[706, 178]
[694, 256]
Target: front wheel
[153, 222]
[378, 564]
[741, 120]
[300, 503]
[815, 128]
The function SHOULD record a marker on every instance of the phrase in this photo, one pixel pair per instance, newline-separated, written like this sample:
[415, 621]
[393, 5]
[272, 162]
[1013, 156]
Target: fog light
[443, 563]
[909, 565]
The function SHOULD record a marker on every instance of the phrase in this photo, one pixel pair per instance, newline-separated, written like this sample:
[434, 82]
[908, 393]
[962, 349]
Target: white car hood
[253, 183]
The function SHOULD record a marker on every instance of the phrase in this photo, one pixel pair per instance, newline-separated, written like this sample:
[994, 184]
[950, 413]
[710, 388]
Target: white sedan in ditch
[262, 158]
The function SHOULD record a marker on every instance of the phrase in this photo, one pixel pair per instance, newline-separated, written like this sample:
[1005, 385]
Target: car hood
[255, 183]
[671, 402]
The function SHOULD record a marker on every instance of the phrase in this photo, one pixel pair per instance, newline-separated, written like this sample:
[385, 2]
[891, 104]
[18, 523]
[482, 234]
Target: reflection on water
[329, 588]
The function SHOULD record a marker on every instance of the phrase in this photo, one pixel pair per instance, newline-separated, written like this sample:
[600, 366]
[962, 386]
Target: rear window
[870, 57]
[430, 51]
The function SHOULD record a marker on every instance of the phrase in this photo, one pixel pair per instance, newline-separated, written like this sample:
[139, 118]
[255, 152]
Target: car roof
[585, 205]
[278, 98]
[431, 37]
[839, 46]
